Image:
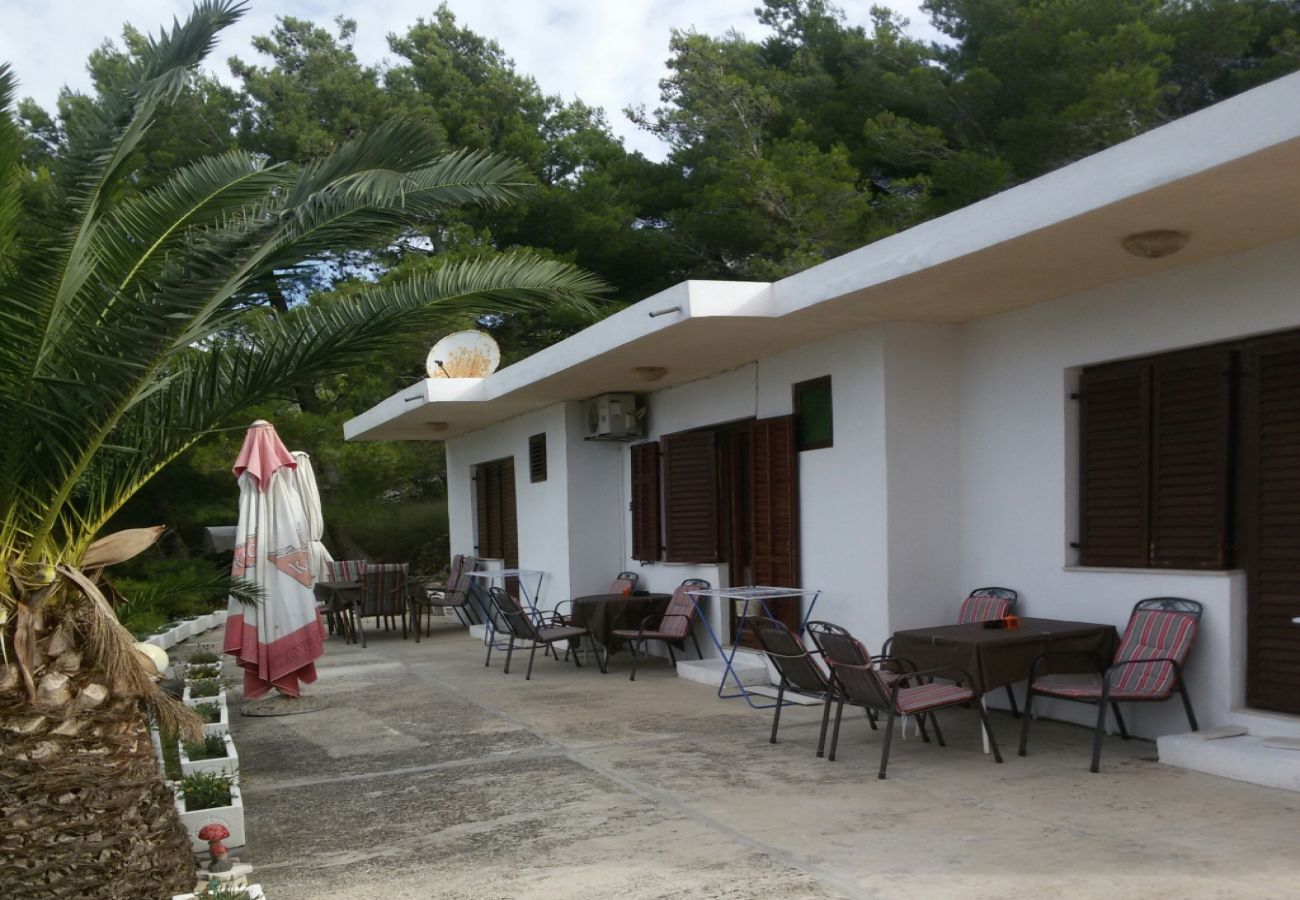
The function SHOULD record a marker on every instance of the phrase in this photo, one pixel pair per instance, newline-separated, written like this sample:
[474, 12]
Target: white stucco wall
[1017, 471]
[542, 508]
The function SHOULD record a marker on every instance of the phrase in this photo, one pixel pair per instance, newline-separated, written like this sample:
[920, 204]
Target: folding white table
[759, 594]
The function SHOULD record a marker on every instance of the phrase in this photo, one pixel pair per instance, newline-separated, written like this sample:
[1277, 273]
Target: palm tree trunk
[85, 810]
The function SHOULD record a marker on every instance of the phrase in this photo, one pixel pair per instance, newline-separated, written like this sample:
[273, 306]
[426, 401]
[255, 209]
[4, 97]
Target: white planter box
[254, 893]
[190, 701]
[180, 631]
[166, 639]
[189, 678]
[156, 740]
[231, 816]
[228, 764]
[222, 725]
[202, 623]
[219, 618]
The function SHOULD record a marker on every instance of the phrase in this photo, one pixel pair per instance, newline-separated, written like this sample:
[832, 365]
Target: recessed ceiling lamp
[649, 373]
[1155, 244]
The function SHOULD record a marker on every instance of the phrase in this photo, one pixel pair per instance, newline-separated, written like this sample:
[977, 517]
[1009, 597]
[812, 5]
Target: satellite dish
[464, 354]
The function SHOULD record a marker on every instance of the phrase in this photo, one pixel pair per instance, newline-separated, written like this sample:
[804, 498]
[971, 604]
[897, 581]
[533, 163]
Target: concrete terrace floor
[433, 777]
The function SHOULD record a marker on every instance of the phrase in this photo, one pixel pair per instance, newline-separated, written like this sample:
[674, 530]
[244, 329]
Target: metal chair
[453, 594]
[337, 602]
[383, 593]
[859, 682]
[531, 627]
[1148, 668]
[798, 668]
[675, 625]
[990, 603]
[624, 582]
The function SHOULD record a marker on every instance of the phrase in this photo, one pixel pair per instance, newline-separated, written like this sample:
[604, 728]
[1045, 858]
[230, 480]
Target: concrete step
[749, 667]
[1243, 758]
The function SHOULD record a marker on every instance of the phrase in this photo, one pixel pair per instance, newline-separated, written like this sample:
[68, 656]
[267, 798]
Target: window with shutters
[1156, 461]
[537, 458]
[646, 541]
[691, 497]
[495, 515]
[815, 424]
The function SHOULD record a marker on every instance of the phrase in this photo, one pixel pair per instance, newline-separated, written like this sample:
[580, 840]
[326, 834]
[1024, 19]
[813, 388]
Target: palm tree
[132, 324]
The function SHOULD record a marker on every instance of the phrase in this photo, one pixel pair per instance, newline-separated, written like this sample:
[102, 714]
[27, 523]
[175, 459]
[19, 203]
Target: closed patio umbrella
[304, 481]
[277, 640]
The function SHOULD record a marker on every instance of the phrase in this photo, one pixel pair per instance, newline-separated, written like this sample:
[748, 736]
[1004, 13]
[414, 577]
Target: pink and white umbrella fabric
[276, 641]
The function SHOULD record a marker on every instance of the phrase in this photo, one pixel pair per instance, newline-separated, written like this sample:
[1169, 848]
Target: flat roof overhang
[1228, 176]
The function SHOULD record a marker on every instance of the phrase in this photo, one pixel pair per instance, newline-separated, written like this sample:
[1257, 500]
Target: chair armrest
[1141, 662]
[965, 681]
[560, 606]
[908, 665]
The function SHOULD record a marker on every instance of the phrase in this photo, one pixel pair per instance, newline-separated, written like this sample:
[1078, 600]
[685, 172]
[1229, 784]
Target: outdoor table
[746, 595]
[995, 657]
[340, 595]
[602, 613]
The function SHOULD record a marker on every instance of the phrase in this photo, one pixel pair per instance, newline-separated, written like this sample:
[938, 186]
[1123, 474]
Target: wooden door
[1271, 508]
[498, 525]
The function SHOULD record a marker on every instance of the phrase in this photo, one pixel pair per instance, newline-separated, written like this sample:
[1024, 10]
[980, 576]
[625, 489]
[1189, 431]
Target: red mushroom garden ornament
[214, 834]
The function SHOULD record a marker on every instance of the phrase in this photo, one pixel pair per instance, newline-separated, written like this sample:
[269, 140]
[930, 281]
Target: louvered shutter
[645, 502]
[774, 502]
[494, 502]
[1191, 408]
[1271, 422]
[482, 545]
[774, 511]
[537, 458]
[691, 497]
[509, 522]
[1114, 465]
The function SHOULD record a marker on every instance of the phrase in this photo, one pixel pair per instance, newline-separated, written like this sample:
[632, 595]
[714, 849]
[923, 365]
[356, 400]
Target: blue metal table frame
[489, 615]
[759, 594]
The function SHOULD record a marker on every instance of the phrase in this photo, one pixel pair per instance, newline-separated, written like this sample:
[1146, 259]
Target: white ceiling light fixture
[1155, 244]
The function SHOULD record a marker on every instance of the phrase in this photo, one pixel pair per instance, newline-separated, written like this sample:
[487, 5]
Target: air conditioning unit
[615, 417]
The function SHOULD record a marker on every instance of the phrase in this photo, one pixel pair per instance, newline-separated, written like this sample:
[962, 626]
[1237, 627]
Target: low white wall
[1018, 477]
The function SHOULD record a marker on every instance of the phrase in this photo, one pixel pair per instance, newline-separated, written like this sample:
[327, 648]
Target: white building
[954, 353]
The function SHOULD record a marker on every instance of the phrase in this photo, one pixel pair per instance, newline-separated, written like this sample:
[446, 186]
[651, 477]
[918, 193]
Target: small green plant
[213, 746]
[209, 688]
[205, 790]
[219, 890]
[203, 658]
[199, 673]
[208, 712]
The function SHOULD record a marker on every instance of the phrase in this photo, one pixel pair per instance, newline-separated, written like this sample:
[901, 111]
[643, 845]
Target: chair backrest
[453, 571]
[511, 614]
[624, 581]
[791, 658]
[679, 617]
[850, 665]
[383, 588]
[345, 569]
[1160, 627]
[987, 603]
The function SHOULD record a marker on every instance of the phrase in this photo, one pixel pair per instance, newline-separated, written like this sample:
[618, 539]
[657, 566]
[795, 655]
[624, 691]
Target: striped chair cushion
[619, 585]
[931, 696]
[346, 569]
[1153, 633]
[980, 609]
[679, 616]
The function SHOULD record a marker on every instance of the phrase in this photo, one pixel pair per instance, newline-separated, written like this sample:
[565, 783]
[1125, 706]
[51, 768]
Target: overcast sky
[610, 53]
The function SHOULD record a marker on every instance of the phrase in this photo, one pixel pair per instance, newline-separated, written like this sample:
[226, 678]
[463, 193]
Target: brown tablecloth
[602, 613]
[995, 656]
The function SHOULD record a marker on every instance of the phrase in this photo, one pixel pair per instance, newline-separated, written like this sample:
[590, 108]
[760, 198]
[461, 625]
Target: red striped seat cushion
[930, 696]
[981, 609]
[679, 616]
[1152, 633]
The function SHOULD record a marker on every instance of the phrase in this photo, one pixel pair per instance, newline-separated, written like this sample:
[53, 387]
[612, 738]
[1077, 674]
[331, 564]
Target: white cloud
[610, 54]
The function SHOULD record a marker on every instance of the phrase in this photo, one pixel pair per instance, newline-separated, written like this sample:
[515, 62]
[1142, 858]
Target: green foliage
[201, 672]
[220, 890]
[205, 790]
[213, 746]
[205, 688]
[208, 712]
[203, 658]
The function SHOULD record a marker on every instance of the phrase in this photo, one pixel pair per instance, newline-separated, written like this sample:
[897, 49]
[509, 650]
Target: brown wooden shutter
[774, 502]
[494, 502]
[537, 458]
[646, 545]
[1191, 424]
[691, 509]
[1114, 465]
[1271, 423]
